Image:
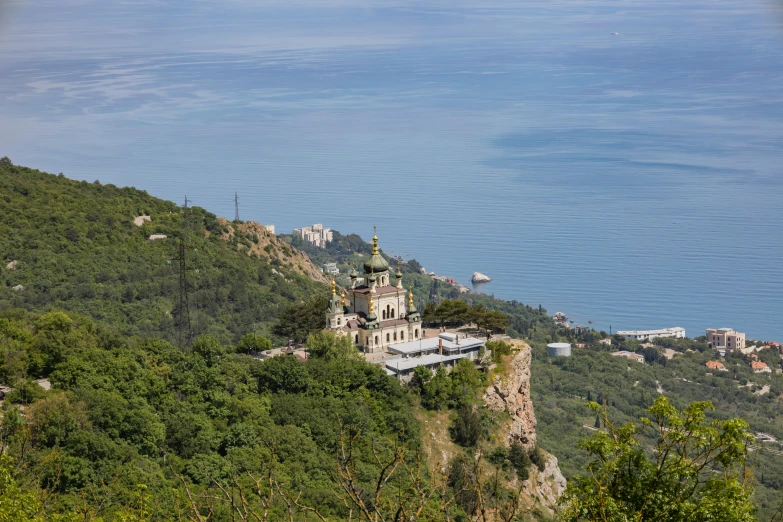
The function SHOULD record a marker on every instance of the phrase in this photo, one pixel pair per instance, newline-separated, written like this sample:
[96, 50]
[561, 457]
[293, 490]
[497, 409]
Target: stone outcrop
[510, 392]
[478, 277]
[545, 487]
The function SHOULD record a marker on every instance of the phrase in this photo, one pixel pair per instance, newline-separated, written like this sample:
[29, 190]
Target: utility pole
[236, 207]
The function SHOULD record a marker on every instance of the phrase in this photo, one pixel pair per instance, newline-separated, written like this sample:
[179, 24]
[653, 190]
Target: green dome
[376, 262]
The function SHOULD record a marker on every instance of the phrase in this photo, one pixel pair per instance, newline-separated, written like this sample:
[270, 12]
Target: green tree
[421, 376]
[429, 314]
[520, 459]
[491, 320]
[467, 429]
[209, 348]
[465, 381]
[330, 346]
[300, 320]
[453, 312]
[253, 343]
[436, 393]
[696, 470]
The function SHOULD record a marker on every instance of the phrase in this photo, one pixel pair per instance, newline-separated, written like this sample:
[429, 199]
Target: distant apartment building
[629, 355]
[725, 339]
[330, 268]
[648, 335]
[316, 235]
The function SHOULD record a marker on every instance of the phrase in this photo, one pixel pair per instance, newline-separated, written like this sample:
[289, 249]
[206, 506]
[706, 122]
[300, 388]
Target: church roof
[388, 289]
[376, 262]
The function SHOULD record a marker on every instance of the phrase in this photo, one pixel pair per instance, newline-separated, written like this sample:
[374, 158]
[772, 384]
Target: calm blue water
[633, 179]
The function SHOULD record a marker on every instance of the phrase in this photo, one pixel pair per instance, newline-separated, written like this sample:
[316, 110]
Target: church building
[374, 314]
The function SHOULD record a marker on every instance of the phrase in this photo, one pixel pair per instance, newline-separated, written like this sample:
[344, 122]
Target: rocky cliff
[510, 392]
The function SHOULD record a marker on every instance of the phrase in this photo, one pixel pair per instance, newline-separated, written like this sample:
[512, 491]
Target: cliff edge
[510, 393]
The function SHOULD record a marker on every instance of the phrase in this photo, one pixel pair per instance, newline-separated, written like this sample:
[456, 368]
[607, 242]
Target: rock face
[546, 486]
[478, 277]
[511, 393]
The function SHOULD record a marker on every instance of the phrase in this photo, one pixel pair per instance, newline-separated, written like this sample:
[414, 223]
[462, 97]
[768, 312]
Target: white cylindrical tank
[559, 349]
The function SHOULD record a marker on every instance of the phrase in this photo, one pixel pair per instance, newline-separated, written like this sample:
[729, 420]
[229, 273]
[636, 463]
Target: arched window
[388, 310]
[376, 339]
[387, 338]
[416, 333]
[395, 336]
[392, 313]
[383, 314]
[329, 323]
[356, 339]
[402, 335]
[339, 321]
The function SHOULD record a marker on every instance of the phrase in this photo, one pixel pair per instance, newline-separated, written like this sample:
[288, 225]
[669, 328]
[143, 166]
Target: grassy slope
[77, 249]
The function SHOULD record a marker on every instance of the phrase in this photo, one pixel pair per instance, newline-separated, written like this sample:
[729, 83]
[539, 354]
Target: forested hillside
[125, 412]
[562, 386]
[74, 246]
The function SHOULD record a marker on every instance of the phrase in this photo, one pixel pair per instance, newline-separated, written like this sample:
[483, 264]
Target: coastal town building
[270, 228]
[716, 365]
[316, 235]
[330, 268]
[759, 367]
[629, 355]
[374, 314]
[725, 339]
[648, 335]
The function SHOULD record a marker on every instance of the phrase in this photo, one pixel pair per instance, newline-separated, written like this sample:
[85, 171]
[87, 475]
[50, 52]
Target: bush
[538, 458]
[466, 430]
[520, 459]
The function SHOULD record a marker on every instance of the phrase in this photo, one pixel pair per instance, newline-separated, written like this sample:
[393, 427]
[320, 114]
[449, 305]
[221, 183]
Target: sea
[620, 161]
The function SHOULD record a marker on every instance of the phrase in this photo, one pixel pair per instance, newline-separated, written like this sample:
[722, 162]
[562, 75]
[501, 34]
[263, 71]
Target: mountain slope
[74, 245]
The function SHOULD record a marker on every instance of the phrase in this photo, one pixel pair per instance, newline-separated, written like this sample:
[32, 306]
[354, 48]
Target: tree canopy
[693, 469]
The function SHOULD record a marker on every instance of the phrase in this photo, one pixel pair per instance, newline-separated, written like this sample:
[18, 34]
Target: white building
[270, 228]
[648, 335]
[330, 268]
[444, 350]
[316, 235]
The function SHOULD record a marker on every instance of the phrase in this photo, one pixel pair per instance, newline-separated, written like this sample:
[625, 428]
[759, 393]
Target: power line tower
[185, 336]
[236, 207]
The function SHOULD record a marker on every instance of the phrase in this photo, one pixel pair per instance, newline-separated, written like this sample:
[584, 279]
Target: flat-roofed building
[647, 335]
[443, 344]
[316, 235]
[330, 268]
[403, 367]
[725, 339]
